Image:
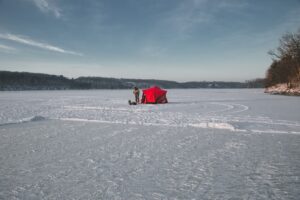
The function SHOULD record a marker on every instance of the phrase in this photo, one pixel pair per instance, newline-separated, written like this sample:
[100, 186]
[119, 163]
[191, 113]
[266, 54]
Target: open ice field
[204, 144]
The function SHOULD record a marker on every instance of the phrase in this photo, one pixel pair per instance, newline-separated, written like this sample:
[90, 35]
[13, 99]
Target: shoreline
[282, 89]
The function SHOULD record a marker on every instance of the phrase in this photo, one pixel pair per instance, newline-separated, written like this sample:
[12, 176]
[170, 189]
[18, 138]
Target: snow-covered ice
[204, 144]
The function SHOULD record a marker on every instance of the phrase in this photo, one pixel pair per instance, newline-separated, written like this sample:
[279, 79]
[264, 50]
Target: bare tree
[286, 61]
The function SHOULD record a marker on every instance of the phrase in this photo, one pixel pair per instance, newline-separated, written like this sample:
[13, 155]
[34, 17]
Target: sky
[179, 40]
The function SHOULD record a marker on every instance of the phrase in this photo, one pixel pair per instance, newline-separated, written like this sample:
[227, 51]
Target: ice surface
[204, 144]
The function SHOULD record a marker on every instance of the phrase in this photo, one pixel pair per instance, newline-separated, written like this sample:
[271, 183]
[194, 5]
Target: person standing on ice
[136, 93]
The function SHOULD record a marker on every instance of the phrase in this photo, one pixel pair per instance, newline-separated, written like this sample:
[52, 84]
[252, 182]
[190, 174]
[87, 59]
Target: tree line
[36, 81]
[285, 67]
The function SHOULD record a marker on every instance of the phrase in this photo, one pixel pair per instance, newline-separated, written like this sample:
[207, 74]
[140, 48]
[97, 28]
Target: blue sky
[181, 40]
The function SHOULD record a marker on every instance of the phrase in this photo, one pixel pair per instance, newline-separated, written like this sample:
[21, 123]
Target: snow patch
[214, 125]
[104, 108]
[25, 120]
[114, 122]
[36, 118]
[275, 131]
[229, 108]
[283, 89]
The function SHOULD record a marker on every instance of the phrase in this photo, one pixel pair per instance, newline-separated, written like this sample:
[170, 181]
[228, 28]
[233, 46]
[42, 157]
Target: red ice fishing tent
[154, 95]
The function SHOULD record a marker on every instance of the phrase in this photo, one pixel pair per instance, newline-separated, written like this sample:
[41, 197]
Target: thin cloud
[187, 15]
[27, 41]
[7, 49]
[46, 7]
[153, 51]
[268, 37]
[232, 4]
[191, 14]
[2, 46]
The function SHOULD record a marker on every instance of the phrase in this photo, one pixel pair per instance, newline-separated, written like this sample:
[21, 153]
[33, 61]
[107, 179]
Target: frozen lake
[204, 144]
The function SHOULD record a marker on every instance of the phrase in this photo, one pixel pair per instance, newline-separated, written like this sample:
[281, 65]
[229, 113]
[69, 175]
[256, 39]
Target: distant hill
[37, 81]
